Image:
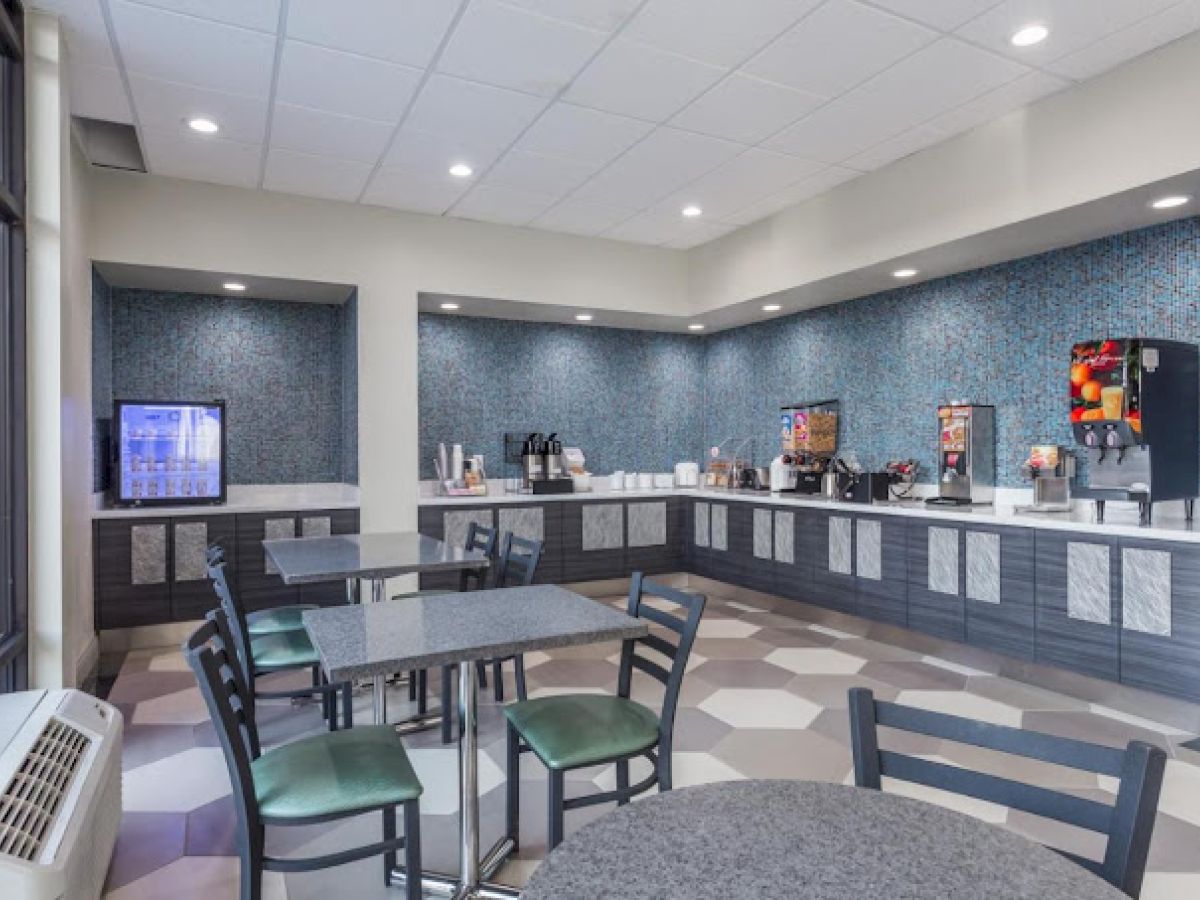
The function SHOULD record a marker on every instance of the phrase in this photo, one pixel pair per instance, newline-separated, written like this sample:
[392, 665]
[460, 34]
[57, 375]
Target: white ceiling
[595, 117]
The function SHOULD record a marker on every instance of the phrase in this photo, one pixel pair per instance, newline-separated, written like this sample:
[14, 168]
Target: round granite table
[794, 839]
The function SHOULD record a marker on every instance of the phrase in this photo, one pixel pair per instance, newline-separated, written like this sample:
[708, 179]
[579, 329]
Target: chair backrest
[1128, 824]
[483, 539]
[236, 618]
[214, 554]
[692, 606]
[211, 655]
[518, 561]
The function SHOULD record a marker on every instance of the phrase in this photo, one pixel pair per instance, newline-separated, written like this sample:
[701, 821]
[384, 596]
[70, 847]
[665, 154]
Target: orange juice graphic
[1112, 401]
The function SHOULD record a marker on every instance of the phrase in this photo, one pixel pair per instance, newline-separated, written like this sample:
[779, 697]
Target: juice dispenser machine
[1135, 409]
[966, 454]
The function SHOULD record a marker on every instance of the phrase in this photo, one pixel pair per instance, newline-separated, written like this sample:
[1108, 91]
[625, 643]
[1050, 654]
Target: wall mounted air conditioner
[60, 794]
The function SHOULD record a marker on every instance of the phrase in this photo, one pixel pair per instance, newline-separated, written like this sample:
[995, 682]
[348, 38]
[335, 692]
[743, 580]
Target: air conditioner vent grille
[31, 801]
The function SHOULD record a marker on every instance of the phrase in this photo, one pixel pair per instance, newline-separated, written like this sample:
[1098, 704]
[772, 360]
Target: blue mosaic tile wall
[641, 401]
[102, 394]
[349, 351]
[1000, 335]
[631, 400]
[279, 366]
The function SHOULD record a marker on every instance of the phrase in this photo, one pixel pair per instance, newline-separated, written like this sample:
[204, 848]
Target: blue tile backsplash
[642, 401]
[286, 370]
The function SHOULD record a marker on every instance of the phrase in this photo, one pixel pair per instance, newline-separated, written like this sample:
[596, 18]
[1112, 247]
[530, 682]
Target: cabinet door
[450, 524]
[999, 589]
[258, 581]
[1078, 603]
[833, 561]
[325, 523]
[132, 561]
[700, 533]
[191, 591]
[739, 564]
[935, 580]
[881, 568]
[1160, 616]
[792, 565]
[593, 540]
[652, 530]
[537, 522]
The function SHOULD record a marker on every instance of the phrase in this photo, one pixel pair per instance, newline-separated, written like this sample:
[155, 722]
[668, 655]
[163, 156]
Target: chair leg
[623, 780]
[555, 833]
[447, 716]
[481, 670]
[412, 850]
[498, 677]
[512, 795]
[664, 769]
[423, 691]
[330, 693]
[347, 705]
[412, 686]
[389, 834]
[519, 665]
[250, 852]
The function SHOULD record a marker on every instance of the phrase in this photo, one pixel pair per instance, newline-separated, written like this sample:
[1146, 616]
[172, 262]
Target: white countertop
[245, 498]
[1120, 518]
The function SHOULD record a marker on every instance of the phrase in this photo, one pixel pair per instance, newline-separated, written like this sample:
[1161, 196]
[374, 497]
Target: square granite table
[424, 632]
[375, 558]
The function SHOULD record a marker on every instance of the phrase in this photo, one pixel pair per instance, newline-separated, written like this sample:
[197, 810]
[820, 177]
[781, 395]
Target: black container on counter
[867, 487]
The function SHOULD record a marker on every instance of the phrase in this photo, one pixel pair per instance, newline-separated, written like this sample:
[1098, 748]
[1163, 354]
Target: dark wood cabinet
[832, 543]
[132, 569]
[593, 540]
[881, 568]
[999, 589]
[191, 592]
[1078, 603]
[654, 535]
[935, 579]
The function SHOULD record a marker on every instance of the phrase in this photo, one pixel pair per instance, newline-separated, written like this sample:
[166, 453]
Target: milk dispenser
[1135, 406]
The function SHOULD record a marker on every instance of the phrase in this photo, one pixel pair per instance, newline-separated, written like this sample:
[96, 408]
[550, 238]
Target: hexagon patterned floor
[765, 697]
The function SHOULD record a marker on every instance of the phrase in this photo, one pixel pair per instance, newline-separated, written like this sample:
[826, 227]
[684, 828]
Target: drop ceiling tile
[166, 106]
[1073, 24]
[86, 34]
[472, 112]
[319, 133]
[406, 32]
[262, 15]
[715, 31]
[315, 176]
[1024, 91]
[694, 236]
[606, 15]
[411, 190]
[513, 48]
[746, 109]
[187, 50]
[892, 149]
[825, 180]
[945, 15]
[751, 176]
[344, 83]
[535, 172]
[504, 205]
[640, 81]
[587, 217]
[434, 154]
[198, 158]
[835, 132]
[587, 135]
[838, 46]
[660, 165]
[97, 92]
[662, 225]
[1142, 37]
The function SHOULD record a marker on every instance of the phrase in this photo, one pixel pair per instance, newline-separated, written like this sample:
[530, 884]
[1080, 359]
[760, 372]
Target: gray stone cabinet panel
[983, 566]
[528, 522]
[785, 536]
[1157, 662]
[148, 554]
[603, 527]
[719, 522]
[191, 542]
[839, 552]
[831, 542]
[1146, 591]
[316, 526]
[700, 532]
[881, 580]
[868, 549]
[647, 524]
[585, 525]
[935, 612]
[764, 534]
[1006, 626]
[276, 529]
[943, 560]
[1062, 637]
[457, 522]
[656, 535]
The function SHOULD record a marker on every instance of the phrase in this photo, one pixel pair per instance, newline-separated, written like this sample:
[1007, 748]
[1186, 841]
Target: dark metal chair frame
[516, 566]
[328, 693]
[212, 653]
[1128, 824]
[658, 754]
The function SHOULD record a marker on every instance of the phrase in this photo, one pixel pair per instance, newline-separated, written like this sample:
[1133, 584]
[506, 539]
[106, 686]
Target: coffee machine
[1135, 410]
[966, 454]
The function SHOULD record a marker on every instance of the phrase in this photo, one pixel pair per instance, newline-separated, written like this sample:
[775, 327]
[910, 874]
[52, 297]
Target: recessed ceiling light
[583, 317]
[691, 211]
[449, 306]
[695, 326]
[772, 307]
[1030, 35]
[904, 273]
[461, 170]
[202, 125]
[1170, 202]
[234, 286]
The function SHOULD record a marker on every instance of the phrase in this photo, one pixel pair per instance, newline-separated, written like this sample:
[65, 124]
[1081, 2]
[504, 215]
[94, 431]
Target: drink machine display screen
[170, 453]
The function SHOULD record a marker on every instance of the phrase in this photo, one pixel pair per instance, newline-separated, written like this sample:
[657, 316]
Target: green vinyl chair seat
[282, 618]
[575, 730]
[282, 650]
[334, 774]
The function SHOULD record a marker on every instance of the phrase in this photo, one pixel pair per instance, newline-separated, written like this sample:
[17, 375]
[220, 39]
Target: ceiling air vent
[34, 796]
[110, 145]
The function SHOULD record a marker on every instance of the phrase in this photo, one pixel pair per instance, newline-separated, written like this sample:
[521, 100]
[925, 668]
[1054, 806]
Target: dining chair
[573, 731]
[1128, 824]
[516, 566]
[280, 651]
[265, 621]
[317, 779]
